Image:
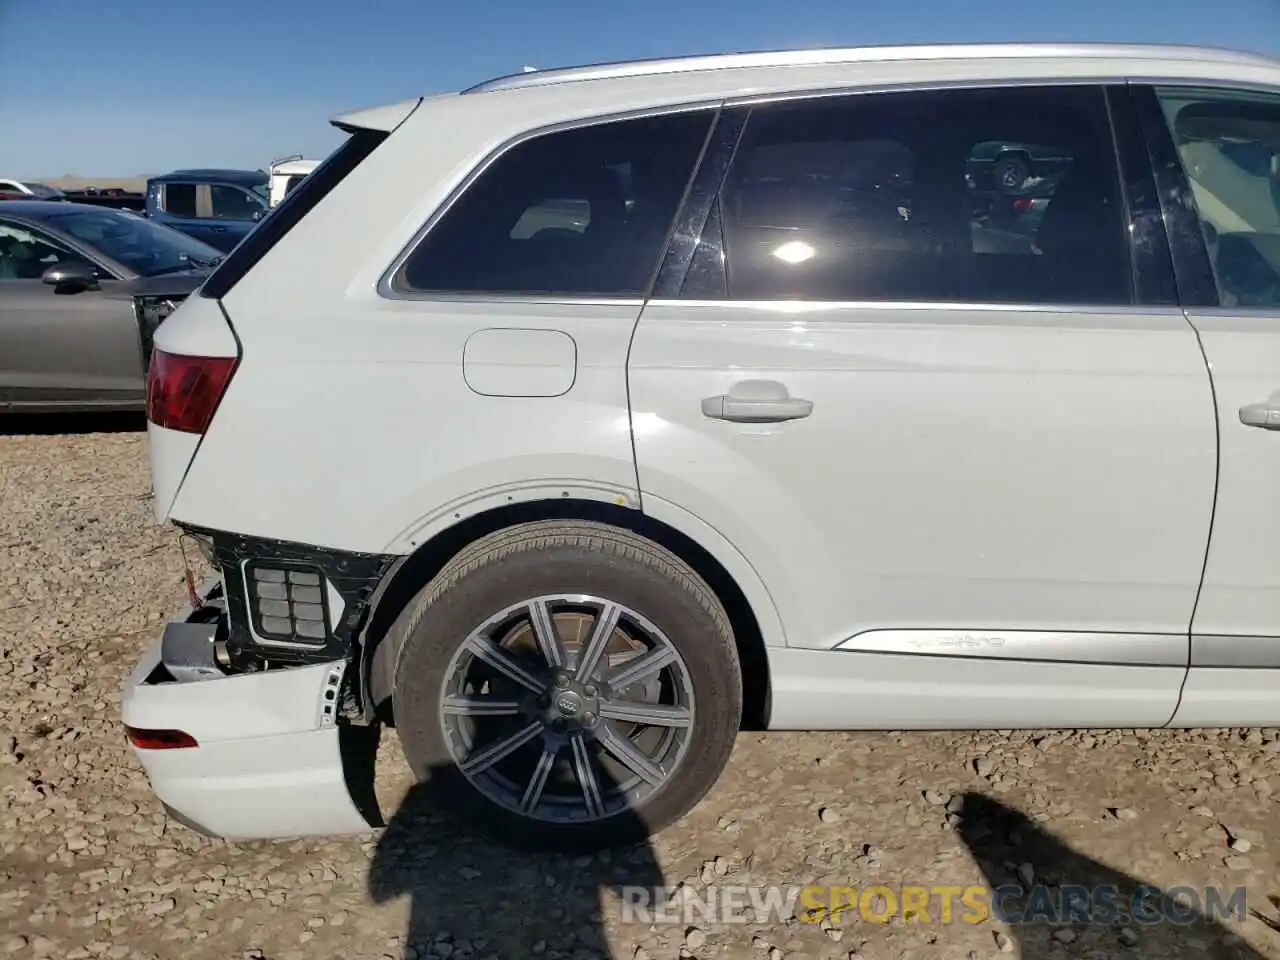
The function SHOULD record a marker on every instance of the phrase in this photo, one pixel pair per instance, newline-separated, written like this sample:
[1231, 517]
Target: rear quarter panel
[349, 422]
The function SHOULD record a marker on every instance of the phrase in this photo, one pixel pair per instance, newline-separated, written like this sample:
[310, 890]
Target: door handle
[217, 229]
[756, 401]
[1264, 415]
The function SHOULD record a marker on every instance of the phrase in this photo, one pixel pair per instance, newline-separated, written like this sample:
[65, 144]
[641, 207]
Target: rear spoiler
[383, 119]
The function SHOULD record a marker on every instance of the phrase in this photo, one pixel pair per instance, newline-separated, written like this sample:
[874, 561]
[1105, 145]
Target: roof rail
[832, 55]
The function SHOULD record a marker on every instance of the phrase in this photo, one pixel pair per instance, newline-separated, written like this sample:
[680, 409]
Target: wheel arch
[415, 570]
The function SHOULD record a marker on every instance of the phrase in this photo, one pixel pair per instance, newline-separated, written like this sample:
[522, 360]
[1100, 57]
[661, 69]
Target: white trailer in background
[286, 174]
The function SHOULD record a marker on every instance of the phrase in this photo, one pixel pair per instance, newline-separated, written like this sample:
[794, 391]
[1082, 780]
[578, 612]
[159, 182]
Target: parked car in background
[658, 396]
[219, 207]
[81, 291]
[286, 174]
[30, 189]
[114, 197]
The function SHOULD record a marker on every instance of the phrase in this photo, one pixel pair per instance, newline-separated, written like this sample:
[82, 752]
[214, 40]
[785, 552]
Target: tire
[665, 609]
[1010, 172]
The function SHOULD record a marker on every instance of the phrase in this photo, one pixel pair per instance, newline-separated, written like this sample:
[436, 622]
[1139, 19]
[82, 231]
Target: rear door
[971, 456]
[1220, 152]
[60, 348]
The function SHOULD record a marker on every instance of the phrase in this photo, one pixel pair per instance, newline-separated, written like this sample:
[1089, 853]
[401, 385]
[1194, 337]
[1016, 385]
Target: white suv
[661, 397]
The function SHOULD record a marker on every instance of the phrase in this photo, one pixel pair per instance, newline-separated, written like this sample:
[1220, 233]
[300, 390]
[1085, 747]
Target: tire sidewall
[671, 602]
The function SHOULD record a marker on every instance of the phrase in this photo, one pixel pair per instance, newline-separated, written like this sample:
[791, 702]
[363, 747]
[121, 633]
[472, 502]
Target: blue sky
[144, 86]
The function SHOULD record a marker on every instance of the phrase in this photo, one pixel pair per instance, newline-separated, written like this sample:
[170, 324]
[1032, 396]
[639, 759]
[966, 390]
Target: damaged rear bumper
[270, 759]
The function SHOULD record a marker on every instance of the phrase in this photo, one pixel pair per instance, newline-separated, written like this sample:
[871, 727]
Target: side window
[228, 202]
[584, 211]
[984, 196]
[26, 254]
[1229, 144]
[180, 200]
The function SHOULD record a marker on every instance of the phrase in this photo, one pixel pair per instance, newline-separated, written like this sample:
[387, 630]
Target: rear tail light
[183, 392]
[160, 739]
[1022, 204]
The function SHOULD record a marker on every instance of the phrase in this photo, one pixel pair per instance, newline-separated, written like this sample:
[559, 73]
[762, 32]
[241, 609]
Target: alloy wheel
[567, 708]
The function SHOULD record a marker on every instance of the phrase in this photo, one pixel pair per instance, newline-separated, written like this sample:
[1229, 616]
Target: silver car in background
[81, 288]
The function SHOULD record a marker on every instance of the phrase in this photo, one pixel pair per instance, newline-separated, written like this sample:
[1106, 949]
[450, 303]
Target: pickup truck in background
[219, 207]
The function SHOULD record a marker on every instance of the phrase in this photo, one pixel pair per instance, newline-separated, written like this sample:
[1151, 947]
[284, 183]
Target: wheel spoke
[606, 621]
[533, 792]
[480, 705]
[544, 628]
[627, 753]
[641, 667]
[649, 714]
[528, 699]
[490, 755]
[503, 662]
[586, 775]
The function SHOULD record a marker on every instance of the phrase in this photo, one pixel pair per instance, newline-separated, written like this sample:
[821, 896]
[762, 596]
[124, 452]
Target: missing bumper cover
[257, 624]
[188, 651]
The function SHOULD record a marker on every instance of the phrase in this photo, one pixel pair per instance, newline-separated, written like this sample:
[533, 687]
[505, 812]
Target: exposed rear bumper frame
[273, 757]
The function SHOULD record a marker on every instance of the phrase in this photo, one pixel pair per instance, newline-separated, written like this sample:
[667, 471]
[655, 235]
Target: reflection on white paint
[795, 251]
[646, 424]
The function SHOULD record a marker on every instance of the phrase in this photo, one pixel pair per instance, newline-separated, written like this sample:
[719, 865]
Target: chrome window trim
[814, 306]
[518, 299]
[388, 286]
[919, 86]
[1227, 86]
[1234, 313]
[825, 306]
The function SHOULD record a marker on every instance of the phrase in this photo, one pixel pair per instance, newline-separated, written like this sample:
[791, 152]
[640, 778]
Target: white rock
[161, 907]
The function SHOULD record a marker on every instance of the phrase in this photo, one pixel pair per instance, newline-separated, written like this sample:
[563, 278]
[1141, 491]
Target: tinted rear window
[579, 212]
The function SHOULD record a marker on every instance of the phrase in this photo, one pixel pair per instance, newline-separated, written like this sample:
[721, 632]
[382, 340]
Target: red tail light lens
[160, 739]
[183, 392]
[1022, 204]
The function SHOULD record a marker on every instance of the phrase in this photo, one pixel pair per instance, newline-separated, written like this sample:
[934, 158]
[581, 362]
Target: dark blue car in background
[219, 207]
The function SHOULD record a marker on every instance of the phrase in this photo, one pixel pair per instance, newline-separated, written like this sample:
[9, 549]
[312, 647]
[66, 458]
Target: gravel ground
[89, 867]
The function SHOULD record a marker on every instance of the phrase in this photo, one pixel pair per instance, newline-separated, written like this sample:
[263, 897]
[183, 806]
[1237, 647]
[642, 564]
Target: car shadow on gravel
[1057, 902]
[64, 424]
[472, 898]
